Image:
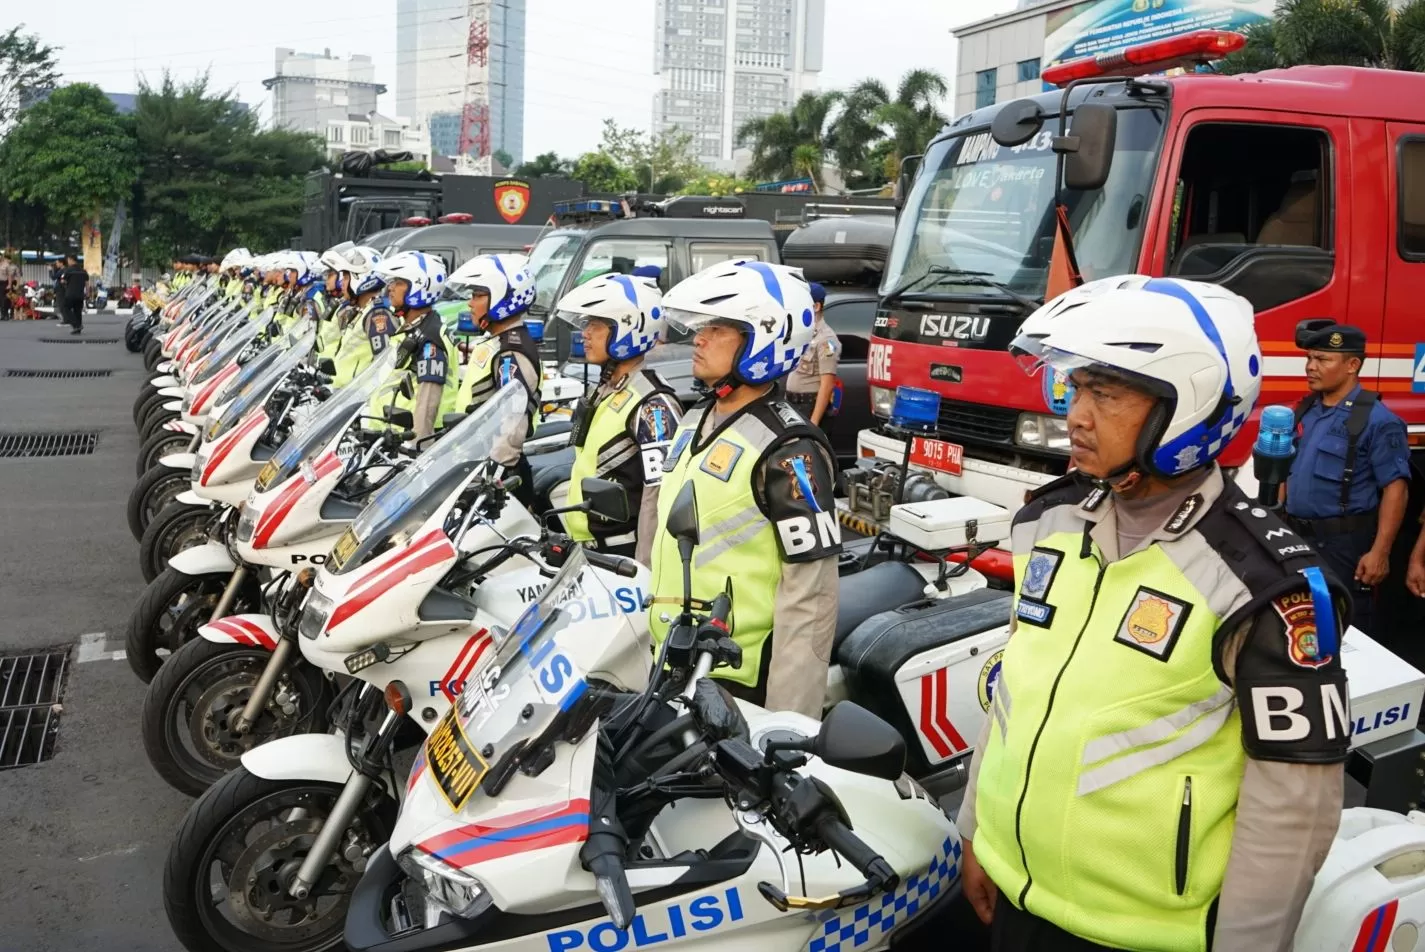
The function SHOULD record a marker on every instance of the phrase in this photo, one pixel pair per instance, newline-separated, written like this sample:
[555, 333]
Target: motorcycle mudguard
[172, 390]
[319, 757]
[164, 381]
[178, 460]
[176, 406]
[179, 426]
[210, 558]
[164, 366]
[189, 498]
[253, 630]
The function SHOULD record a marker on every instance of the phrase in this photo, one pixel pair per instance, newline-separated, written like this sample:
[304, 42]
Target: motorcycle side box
[928, 669]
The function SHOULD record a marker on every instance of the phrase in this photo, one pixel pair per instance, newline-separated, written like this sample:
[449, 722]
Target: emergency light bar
[1190, 49]
[456, 218]
[588, 206]
[416, 221]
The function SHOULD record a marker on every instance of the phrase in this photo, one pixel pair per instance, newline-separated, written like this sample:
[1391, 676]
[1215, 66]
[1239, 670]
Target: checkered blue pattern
[868, 922]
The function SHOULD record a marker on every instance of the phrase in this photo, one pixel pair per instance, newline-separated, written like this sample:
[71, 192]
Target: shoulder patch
[1184, 514]
[1265, 526]
[801, 478]
[721, 459]
[680, 443]
[1298, 615]
[788, 414]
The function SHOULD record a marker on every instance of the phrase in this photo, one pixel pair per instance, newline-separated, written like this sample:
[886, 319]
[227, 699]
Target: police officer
[811, 388]
[623, 429]
[1348, 486]
[414, 282]
[1161, 768]
[764, 480]
[367, 322]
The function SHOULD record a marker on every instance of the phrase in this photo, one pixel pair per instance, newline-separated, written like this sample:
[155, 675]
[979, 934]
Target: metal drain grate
[79, 339]
[57, 374]
[30, 690]
[26, 445]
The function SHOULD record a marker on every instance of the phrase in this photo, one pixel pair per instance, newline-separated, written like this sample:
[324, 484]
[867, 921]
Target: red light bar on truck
[1203, 46]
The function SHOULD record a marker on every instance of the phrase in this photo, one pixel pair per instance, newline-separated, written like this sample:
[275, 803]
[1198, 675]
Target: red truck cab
[1301, 189]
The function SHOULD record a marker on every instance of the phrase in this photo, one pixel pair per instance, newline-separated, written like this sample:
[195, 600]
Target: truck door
[1258, 202]
[1402, 338]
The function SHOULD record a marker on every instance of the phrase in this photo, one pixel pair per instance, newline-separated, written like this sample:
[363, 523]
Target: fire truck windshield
[987, 212]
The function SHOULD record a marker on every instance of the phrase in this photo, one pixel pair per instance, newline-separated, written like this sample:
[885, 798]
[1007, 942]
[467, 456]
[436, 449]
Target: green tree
[69, 154]
[716, 183]
[27, 72]
[600, 173]
[791, 144]
[506, 160]
[1370, 33]
[913, 115]
[543, 166]
[660, 162]
[857, 130]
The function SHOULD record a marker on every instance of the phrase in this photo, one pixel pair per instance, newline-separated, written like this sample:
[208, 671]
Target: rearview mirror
[402, 419]
[854, 739]
[910, 165]
[683, 517]
[605, 498]
[327, 366]
[1088, 148]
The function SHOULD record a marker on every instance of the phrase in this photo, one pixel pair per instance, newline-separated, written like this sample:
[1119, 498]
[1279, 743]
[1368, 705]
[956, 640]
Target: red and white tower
[474, 157]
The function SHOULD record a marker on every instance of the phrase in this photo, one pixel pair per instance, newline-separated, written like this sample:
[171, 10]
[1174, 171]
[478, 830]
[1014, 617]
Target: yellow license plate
[265, 477]
[342, 550]
[454, 763]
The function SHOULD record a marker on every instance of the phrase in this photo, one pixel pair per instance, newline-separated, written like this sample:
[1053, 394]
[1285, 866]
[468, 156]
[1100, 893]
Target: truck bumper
[993, 482]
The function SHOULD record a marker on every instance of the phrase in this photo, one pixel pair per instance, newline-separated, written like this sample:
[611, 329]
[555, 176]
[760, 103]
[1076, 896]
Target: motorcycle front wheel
[191, 704]
[177, 526]
[170, 612]
[226, 878]
[146, 392]
[159, 445]
[157, 416]
[150, 403]
[152, 353]
[155, 489]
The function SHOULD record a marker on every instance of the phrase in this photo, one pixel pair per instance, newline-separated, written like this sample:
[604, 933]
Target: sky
[585, 59]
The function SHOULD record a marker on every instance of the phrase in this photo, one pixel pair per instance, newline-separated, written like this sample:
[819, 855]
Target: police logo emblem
[1336, 340]
[989, 677]
[799, 475]
[1298, 615]
[1039, 573]
[1152, 623]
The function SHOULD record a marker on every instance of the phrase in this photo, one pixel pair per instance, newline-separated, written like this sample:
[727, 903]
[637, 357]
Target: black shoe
[75, 331]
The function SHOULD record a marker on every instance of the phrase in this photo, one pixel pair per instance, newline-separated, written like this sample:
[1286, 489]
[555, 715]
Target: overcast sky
[586, 59]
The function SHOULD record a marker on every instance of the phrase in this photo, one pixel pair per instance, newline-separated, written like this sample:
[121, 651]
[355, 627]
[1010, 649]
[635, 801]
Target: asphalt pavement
[86, 832]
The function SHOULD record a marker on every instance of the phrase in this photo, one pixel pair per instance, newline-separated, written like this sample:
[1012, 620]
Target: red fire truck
[1301, 189]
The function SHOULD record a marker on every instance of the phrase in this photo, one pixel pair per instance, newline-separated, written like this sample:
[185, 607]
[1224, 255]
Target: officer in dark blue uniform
[1349, 482]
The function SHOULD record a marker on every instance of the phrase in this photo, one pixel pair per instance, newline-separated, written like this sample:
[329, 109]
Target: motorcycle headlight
[188, 396]
[1042, 431]
[247, 524]
[199, 461]
[314, 615]
[882, 399]
[454, 890]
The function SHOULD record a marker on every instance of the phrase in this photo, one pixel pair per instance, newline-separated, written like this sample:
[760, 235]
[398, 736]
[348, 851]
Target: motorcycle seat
[872, 591]
[547, 477]
[552, 428]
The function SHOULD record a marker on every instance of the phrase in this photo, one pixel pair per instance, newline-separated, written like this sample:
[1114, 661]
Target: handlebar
[866, 861]
[617, 564]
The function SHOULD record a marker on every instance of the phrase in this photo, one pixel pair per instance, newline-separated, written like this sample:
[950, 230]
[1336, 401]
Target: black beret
[1322, 333]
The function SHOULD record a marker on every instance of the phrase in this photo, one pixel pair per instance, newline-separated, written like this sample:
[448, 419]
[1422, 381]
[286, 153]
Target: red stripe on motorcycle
[508, 835]
[211, 387]
[417, 769]
[297, 486]
[1374, 934]
[942, 712]
[935, 724]
[374, 575]
[223, 626]
[245, 632]
[423, 559]
[470, 655]
[224, 446]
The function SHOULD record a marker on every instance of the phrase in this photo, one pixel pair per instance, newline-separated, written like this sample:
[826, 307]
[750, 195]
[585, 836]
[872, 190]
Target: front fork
[257, 700]
[225, 601]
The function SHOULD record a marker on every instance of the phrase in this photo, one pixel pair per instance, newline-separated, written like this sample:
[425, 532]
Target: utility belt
[801, 399]
[1331, 525]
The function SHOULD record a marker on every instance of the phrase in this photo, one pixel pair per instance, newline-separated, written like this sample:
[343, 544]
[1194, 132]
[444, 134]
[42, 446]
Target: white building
[374, 131]
[311, 89]
[722, 62]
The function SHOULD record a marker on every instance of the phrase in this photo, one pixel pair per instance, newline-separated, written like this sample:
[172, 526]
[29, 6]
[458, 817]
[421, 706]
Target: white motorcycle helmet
[1193, 345]
[424, 273]
[506, 278]
[237, 258]
[631, 307]
[314, 266]
[334, 258]
[361, 262]
[770, 303]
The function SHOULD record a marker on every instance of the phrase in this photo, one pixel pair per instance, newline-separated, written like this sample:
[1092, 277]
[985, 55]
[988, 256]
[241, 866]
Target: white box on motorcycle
[1385, 691]
[947, 523]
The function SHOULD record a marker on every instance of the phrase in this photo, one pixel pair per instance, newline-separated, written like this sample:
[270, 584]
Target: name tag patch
[721, 459]
[1034, 613]
[1152, 623]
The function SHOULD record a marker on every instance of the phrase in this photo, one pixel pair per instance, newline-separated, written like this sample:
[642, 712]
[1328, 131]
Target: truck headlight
[1042, 431]
[452, 889]
[882, 399]
[314, 615]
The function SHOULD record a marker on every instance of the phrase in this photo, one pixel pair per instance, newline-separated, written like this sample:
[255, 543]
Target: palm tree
[790, 144]
[1336, 33]
[857, 128]
[913, 115]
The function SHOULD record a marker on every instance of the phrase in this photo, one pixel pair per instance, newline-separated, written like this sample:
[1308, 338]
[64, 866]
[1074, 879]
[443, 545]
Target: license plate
[454, 763]
[342, 550]
[265, 477]
[937, 455]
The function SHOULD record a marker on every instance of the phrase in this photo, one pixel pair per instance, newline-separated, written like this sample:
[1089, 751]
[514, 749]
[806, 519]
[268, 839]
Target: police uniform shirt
[822, 357]
[431, 364]
[379, 324]
[1382, 457]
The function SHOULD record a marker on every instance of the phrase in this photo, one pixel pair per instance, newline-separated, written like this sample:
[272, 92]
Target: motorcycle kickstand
[263, 689]
[225, 601]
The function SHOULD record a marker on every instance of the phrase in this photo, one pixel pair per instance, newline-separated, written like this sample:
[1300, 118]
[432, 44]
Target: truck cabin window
[1252, 211]
[1411, 176]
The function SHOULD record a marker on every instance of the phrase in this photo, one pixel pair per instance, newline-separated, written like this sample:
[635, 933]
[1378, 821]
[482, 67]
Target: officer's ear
[1354, 363]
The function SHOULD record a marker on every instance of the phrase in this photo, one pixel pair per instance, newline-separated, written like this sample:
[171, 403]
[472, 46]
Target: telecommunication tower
[474, 157]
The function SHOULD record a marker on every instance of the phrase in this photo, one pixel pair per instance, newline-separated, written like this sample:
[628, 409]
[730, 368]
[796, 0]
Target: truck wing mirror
[1088, 148]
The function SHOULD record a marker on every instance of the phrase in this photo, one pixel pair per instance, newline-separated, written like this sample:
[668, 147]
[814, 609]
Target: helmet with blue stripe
[770, 303]
[506, 278]
[1190, 344]
[632, 307]
[361, 262]
[424, 273]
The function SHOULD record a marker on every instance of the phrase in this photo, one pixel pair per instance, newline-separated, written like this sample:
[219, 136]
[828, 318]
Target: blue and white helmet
[334, 258]
[632, 307]
[505, 277]
[361, 263]
[1193, 345]
[424, 273]
[771, 303]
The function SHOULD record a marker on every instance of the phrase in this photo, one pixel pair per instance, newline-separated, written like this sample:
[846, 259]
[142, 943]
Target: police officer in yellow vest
[414, 281]
[764, 479]
[622, 430]
[500, 289]
[1162, 764]
[366, 321]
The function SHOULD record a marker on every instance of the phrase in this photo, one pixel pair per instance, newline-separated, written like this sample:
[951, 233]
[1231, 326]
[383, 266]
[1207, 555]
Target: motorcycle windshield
[240, 333]
[526, 698]
[257, 378]
[399, 509]
[318, 430]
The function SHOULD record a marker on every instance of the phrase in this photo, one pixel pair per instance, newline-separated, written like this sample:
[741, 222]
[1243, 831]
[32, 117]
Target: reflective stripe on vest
[478, 381]
[1120, 769]
[737, 539]
[607, 446]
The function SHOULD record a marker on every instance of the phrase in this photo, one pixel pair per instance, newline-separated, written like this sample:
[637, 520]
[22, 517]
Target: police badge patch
[989, 677]
[1298, 615]
[1039, 573]
[1152, 623]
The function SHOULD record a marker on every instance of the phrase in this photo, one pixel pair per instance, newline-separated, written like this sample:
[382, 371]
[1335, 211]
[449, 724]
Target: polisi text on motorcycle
[676, 921]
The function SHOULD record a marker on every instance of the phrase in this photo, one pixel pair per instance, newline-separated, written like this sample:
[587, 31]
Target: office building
[723, 62]
[309, 90]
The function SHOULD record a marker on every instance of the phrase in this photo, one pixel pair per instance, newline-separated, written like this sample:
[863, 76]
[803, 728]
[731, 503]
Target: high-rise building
[309, 90]
[432, 46]
[723, 62]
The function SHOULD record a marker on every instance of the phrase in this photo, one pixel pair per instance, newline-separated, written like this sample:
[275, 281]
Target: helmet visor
[690, 322]
[1031, 354]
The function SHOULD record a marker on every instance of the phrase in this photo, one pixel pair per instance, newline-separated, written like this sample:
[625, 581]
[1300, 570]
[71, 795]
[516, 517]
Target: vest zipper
[1184, 836]
[1029, 765]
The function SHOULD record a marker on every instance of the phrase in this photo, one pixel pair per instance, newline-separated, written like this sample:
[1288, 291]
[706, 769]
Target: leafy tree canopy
[27, 71]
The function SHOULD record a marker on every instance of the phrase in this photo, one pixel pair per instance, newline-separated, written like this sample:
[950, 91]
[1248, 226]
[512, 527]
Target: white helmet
[334, 258]
[425, 274]
[314, 267]
[361, 262]
[237, 258]
[1191, 344]
[505, 277]
[632, 307]
[770, 303]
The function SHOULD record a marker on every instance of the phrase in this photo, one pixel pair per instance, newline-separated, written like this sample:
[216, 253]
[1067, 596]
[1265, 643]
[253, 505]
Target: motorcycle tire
[153, 423]
[161, 443]
[145, 392]
[177, 526]
[153, 401]
[152, 353]
[152, 493]
[184, 724]
[230, 810]
[135, 336]
[187, 601]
